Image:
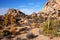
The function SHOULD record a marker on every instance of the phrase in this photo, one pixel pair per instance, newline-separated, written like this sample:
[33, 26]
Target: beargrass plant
[53, 29]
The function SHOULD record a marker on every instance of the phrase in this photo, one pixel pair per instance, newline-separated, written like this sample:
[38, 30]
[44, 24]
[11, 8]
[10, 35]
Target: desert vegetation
[15, 25]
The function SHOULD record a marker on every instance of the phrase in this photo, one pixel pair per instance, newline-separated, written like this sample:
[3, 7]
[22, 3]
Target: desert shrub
[1, 34]
[52, 28]
[12, 30]
[6, 32]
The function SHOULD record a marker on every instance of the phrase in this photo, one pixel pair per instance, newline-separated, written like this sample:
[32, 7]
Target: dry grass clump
[51, 28]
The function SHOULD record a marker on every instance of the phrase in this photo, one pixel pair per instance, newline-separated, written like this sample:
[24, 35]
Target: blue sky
[26, 6]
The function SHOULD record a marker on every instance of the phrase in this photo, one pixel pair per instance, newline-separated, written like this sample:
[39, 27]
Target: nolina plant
[52, 29]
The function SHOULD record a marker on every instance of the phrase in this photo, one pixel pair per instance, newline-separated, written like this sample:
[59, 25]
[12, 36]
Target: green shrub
[52, 28]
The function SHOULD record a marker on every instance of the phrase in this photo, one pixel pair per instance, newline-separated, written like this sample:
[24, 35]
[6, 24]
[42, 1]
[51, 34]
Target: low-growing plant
[51, 29]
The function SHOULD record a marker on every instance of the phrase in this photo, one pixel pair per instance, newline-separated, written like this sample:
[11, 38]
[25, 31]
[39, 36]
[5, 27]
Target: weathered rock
[13, 16]
[1, 20]
[35, 31]
[31, 36]
[52, 8]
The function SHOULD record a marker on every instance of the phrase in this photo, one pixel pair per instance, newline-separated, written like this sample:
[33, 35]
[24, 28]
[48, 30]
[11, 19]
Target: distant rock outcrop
[52, 8]
[13, 16]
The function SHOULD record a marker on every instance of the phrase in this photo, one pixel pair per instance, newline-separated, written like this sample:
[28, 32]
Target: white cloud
[27, 10]
[30, 3]
[3, 11]
[22, 6]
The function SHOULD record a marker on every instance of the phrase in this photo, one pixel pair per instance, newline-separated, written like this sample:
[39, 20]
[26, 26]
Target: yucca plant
[52, 29]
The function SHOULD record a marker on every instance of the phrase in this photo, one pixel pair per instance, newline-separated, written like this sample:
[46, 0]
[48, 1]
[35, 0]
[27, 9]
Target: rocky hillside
[52, 8]
[13, 16]
[44, 25]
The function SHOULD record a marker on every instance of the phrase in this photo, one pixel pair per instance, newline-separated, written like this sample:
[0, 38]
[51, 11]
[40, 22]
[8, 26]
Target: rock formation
[52, 8]
[25, 27]
[13, 16]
